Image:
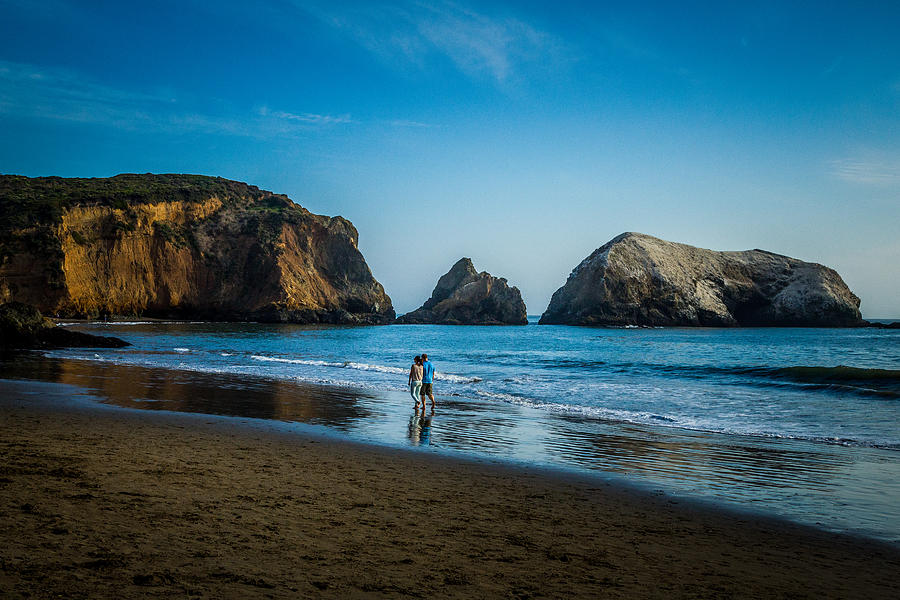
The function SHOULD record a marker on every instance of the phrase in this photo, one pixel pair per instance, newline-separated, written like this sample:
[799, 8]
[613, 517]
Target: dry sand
[110, 503]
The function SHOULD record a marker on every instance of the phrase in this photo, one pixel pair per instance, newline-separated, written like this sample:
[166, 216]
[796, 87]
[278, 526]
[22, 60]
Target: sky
[520, 134]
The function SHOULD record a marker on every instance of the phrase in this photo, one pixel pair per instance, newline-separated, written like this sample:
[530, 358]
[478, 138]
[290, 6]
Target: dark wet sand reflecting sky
[844, 489]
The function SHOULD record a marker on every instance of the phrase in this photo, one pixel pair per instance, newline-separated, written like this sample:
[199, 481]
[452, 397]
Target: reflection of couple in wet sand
[421, 381]
[420, 428]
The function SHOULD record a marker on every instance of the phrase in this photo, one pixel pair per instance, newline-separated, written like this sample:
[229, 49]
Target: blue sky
[523, 135]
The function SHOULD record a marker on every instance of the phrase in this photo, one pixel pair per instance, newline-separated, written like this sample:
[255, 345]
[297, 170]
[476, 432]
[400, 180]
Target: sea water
[801, 423]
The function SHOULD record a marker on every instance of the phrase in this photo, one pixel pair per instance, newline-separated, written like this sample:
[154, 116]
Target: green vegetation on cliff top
[25, 201]
[32, 208]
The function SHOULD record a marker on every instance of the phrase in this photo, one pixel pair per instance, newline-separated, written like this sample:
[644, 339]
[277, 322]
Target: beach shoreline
[100, 501]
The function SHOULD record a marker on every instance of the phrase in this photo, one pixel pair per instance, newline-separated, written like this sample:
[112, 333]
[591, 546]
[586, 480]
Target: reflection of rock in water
[419, 428]
[28, 365]
[207, 393]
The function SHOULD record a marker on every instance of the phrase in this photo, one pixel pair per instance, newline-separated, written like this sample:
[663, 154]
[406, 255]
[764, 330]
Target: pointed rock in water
[180, 246]
[463, 296]
[637, 279]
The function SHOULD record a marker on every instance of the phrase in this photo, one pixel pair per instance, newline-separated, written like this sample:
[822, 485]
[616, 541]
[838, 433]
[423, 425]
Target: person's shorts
[426, 389]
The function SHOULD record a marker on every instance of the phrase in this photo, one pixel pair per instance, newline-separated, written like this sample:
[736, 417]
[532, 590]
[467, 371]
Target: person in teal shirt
[427, 380]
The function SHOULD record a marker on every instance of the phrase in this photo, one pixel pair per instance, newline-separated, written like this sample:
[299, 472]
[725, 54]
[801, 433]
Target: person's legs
[415, 391]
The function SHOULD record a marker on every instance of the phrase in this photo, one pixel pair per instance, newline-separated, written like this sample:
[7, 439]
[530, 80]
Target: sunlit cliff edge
[179, 246]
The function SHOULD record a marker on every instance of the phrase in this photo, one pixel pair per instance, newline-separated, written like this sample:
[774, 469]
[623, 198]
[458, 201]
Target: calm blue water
[804, 423]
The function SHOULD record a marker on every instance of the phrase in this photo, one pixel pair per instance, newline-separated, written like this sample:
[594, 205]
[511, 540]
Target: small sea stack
[637, 279]
[463, 296]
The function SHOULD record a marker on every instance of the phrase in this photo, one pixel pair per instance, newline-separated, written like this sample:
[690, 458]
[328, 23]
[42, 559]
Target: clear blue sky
[523, 135]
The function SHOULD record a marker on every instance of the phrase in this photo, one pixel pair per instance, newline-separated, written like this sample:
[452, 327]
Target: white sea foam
[691, 424]
[296, 361]
[587, 411]
[181, 349]
[116, 323]
[363, 367]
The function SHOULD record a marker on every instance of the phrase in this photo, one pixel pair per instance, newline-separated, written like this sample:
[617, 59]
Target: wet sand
[100, 502]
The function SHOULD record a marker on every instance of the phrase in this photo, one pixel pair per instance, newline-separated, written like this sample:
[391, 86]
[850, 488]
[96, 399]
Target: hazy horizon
[520, 135]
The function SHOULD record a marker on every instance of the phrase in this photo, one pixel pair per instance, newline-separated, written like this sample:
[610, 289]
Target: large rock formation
[637, 279]
[463, 296]
[183, 246]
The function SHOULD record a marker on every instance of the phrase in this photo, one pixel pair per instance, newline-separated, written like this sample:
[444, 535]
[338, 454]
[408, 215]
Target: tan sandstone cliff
[179, 246]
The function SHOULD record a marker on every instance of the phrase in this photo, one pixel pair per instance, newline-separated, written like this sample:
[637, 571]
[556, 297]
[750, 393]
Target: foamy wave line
[113, 323]
[244, 370]
[247, 370]
[323, 363]
[648, 418]
[362, 367]
[587, 411]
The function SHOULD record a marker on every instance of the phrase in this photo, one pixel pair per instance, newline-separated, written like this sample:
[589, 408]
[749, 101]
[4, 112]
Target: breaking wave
[363, 367]
[880, 383]
[682, 422]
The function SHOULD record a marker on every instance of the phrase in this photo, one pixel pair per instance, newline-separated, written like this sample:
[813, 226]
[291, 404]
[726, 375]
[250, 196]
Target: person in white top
[415, 380]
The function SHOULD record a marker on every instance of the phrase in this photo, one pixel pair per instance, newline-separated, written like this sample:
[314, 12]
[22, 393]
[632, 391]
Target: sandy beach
[100, 502]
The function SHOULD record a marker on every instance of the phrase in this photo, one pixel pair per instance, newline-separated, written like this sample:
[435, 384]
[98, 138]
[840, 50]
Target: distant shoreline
[877, 323]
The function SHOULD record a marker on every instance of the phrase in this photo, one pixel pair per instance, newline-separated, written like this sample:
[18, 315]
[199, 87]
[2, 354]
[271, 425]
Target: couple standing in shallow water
[421, 380]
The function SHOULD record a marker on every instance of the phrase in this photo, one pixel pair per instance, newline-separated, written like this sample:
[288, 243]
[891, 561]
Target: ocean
[799, 423]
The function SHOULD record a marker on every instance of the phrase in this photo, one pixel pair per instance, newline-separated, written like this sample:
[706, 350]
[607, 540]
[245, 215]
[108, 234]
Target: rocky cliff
[463, 296]
[183, 246]
[637, 279]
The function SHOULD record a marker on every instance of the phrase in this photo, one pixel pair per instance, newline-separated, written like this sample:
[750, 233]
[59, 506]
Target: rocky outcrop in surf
[463, 296]
[892, 325]
[23, 326]
[637, 279]
[180, 246]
